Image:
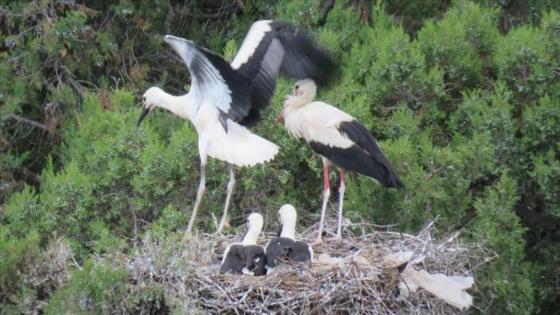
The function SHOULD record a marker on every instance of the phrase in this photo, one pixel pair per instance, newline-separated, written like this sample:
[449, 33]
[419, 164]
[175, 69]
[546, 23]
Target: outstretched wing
[273, 47]
[213, 81]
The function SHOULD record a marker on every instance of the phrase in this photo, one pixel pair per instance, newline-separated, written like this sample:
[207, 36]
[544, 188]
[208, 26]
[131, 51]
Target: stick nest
[353, 276]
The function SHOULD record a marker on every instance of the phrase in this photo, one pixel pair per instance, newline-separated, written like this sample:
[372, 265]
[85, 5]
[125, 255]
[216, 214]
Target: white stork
[286, 246]
[340, 140]
[224, 97]
[246, 257]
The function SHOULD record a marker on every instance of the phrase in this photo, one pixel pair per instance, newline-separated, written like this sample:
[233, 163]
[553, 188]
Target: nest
[352, 275]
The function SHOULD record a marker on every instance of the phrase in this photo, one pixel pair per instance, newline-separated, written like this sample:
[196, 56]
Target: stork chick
[246, 257]
[286, 246]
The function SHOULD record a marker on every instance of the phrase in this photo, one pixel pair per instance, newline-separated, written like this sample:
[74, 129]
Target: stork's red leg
[341, 191]
[326, 194]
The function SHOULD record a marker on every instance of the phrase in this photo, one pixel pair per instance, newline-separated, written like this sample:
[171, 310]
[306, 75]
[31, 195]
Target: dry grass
[359, 282]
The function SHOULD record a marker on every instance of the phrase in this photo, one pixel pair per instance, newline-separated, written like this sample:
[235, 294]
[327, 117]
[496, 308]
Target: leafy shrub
[540, 132]
[29, 273]
[467, 116]
[547, 175]
[460, 43]
[488, 113]
[526, 64]
[19, 257]
[507, 277]
[92, 289]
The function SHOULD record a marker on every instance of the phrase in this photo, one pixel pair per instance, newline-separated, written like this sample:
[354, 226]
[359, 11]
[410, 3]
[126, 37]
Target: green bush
[525, 63]
[540, 132]
[93, 289]
[466, 110]
[460, 43]
[19, 258]
[491, 113]
[507, 279]
[547, 175]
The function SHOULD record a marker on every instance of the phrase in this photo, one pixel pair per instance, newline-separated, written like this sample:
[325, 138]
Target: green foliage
[467, 115]
[488, 113]
[29, 273]
[540, 132]
[21, 215]
[93, 289]
[524, 61]
[19, 256]
[507, 278]
[460, 42]
[399, 74]
[550, 25]
[547, 175]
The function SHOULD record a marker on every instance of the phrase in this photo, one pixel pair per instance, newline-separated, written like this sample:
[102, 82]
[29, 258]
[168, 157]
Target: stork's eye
[144, 99]
[297, 86]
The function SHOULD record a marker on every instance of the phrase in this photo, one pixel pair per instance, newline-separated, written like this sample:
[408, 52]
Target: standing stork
[340, 140]
[224, 98]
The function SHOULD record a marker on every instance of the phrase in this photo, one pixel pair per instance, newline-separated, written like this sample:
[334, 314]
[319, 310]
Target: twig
[30, 122]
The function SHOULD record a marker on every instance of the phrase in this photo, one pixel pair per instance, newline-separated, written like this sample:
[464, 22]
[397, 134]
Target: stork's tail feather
[240, 147]
[393, 180]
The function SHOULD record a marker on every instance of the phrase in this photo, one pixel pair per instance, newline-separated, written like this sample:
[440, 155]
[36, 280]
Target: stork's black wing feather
[303, 58]
[238, 84]
[364, 156]
[278, 247]
[300, 251]
[273, 47]
[234, 260]
[255, 259]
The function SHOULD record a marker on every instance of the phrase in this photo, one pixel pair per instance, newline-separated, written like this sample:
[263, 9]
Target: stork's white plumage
[286, 246]
[224, 97]
[246, 257]
[339, 138]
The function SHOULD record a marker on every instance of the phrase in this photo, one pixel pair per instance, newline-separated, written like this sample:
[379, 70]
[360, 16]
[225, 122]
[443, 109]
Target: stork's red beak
[280, 117]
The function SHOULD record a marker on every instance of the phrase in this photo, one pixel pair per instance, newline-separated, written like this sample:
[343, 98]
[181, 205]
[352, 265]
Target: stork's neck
[288, 230]
[252, 235]
[183, 106]
[294, 101]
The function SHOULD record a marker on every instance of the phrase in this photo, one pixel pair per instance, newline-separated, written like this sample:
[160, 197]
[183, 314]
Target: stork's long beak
[145, 112]
[280, 118]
